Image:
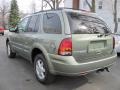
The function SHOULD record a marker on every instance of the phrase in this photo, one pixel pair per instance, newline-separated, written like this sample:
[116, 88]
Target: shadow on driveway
[60, 83]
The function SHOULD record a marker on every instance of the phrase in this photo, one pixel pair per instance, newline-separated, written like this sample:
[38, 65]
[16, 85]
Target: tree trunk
[57, 4]
[93, 6]
[3, 21]
[54, 4]
[115, 16]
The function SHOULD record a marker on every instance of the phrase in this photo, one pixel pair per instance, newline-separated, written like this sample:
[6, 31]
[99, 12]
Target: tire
[2, 33]
[118, 54]
[10, 53]
[41, 70]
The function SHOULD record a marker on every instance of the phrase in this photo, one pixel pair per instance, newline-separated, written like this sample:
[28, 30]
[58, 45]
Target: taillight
[113, 42]
[65, 47]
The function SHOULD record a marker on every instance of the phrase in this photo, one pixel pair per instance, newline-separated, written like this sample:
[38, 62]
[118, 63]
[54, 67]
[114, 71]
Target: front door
[19, 36]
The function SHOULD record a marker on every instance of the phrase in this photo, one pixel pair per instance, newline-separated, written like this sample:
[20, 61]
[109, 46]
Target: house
[103, 8]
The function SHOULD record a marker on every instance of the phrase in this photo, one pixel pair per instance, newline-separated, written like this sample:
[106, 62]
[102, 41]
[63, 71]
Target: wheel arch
[38, 49]
[7, 40]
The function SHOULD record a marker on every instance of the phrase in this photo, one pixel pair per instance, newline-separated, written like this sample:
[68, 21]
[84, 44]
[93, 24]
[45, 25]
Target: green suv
[62, 42]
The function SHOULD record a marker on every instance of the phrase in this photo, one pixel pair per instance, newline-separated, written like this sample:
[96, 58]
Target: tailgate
[90, 47]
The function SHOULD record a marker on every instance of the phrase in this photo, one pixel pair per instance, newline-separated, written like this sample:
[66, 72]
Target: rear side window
[82, 24]
[32, 23]
[52, 23]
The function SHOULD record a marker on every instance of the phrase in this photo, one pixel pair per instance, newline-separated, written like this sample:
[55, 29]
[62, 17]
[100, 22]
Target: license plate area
[96, 45]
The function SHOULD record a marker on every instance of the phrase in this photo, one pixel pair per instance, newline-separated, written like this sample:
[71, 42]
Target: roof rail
[75, 9]
[60, 9]
[46, 10]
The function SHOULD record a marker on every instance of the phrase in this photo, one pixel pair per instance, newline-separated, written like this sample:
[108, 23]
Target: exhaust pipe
[103, 69]
[107, 69]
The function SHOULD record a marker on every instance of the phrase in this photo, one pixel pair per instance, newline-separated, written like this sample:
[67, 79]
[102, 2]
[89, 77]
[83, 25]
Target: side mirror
[11, 29]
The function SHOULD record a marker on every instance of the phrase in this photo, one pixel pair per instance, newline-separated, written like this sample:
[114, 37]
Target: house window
[100, 4]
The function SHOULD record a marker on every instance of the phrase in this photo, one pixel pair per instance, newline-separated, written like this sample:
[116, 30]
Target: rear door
[28, 36]
[52, 31]
[89, 38]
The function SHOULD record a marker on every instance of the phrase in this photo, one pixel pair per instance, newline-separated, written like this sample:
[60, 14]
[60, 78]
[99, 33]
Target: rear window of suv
[82, 24]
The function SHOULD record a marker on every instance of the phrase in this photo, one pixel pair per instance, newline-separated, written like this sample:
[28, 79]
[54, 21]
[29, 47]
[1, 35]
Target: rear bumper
[76, 69]
[117, 48]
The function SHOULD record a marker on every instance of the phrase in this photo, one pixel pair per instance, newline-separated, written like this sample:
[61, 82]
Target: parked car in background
[62, 42]
[2, 30]
[117, 43]
[6, 32]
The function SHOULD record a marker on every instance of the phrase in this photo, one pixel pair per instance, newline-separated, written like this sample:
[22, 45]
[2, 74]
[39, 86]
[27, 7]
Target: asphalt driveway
[17, 74]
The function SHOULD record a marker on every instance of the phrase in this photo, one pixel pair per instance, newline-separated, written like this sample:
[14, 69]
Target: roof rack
[60, 9]
[77, 9]
[47, 10]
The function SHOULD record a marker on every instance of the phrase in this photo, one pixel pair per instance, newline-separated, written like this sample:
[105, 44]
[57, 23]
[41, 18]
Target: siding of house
[68, 3]
[118, 9]
[106, 12]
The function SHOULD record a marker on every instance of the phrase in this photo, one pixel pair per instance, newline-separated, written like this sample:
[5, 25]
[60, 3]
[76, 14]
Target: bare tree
[115, 16]
[4, 9]
[91, 5]
[54, 4]
[58, 3]
[33, 7]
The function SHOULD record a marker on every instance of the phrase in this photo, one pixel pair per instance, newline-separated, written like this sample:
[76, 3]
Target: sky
[25, 5]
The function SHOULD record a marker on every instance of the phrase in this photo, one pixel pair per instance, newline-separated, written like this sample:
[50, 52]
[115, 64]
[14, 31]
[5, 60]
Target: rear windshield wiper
[103, 34]
[107, 34]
